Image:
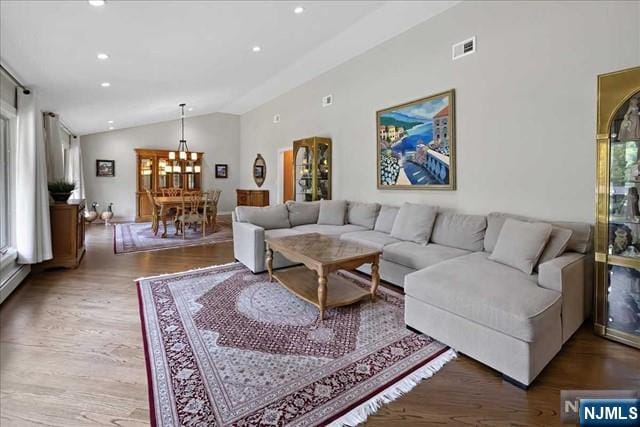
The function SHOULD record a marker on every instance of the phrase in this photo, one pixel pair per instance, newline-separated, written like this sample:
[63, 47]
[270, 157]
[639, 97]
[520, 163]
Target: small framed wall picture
[222, 171]
[258, 171]
[105, 168]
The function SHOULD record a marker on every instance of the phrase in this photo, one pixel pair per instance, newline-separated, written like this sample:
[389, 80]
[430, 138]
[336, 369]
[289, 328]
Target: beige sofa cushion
[386, 218]
[520, 244]
[414, 223]
[580, 240]
[417, 256]
[556, 245]
[330, 230]
[332, 212]
[363, 214]
[459, 231]
[269, 217]
[301, 213]
[371, 238]
[280, 232]
[488, 293]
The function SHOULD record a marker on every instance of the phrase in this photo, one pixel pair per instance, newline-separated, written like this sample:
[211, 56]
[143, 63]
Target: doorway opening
[285, 174]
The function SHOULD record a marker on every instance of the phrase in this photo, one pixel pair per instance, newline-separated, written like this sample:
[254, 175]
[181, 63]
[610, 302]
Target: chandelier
[183, 149]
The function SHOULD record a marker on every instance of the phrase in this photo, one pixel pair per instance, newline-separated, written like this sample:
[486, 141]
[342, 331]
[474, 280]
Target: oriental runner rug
[138, 236]
[225, 347]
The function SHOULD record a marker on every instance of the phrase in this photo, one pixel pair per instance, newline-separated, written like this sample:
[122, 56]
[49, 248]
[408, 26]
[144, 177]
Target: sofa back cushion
[269, 218]
[580, 240]
[582, 237]
[386, 218]
[302, 213]
[332, 212]
[363, 214]
[459, 231]
[557, 244]
[520, 244]
[414, 223]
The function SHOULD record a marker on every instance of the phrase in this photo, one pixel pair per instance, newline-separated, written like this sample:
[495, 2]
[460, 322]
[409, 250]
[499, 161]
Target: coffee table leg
[375, 278]
[322, 294]
[270, 263]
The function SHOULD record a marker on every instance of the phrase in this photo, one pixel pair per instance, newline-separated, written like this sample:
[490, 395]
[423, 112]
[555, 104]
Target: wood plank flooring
[71, 354]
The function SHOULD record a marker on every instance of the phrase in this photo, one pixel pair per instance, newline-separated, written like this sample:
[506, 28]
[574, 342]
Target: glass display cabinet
[312, 169]
[155, 171]
[617, 245]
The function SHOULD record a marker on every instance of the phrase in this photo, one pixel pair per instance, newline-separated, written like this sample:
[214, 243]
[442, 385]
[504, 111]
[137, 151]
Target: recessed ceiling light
[105, 84]
[97, 3]
[256, 48]
[190, 108]
[110, 122]
[111, 128]
[103, 56]
[298, 10]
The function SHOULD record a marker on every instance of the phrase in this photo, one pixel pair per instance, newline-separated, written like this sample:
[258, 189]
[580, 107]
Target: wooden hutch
[155, 171]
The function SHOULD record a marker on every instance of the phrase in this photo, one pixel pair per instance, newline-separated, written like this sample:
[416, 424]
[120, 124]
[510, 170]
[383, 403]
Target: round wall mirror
[259, 170]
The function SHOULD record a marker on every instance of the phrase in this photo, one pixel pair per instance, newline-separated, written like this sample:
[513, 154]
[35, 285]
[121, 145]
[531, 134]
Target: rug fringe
[185, 271]
[360, 414]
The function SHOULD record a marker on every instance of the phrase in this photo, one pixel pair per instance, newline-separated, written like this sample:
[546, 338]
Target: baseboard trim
[13, 281]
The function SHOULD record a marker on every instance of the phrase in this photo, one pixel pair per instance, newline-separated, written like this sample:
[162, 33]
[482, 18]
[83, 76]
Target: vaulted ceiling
[165, 52]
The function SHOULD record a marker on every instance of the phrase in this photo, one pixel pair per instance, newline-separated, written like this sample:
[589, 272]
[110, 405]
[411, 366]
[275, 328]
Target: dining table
[167, 202]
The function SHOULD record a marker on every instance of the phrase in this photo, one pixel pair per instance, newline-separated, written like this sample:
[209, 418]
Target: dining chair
[171, 192]
[190, 211]
[155, 213]
[210, 210]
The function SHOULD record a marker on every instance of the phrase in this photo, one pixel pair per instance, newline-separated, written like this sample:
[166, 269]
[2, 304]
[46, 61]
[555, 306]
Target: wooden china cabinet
[155, 171]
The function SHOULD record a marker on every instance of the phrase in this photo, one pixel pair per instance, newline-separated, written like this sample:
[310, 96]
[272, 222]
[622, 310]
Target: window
[5, 187]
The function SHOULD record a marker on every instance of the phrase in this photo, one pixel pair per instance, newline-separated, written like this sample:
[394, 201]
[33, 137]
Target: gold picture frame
[416, 144]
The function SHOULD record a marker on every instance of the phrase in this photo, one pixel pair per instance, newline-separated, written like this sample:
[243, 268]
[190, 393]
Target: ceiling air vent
[327, 100]
[464, 48]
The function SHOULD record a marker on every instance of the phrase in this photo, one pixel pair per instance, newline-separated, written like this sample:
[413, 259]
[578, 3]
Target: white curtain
[54, 148]
[33, 237]
[74, 172]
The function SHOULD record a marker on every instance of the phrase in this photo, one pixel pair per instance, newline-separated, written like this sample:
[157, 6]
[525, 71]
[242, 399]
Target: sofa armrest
[566, 274]
[248, 245]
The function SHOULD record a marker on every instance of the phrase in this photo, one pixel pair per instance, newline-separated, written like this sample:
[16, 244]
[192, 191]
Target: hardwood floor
[71, 354]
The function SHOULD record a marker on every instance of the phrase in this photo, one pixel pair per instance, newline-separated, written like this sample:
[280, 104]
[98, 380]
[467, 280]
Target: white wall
[217, 135]
[526, 105]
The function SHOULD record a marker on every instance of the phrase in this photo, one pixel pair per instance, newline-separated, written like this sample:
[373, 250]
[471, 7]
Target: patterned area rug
[137, 236]
[226, 347]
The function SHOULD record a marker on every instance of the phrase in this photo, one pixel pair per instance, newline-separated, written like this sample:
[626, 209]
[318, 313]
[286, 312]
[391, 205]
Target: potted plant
[61, 190]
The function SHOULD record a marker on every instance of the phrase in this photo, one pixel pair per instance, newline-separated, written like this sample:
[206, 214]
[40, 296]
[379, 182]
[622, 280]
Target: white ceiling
[198, 52]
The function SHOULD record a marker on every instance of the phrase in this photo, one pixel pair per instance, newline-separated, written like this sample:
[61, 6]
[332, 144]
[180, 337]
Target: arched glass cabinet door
[616, 307]
[623, 266]
[303, 171]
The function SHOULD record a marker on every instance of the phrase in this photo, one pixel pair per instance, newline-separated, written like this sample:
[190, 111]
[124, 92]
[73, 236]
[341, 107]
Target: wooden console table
[67, 234]
[252, 197]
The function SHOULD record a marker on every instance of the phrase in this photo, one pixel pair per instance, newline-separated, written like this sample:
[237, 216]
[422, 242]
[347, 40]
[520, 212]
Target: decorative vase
[60, 197]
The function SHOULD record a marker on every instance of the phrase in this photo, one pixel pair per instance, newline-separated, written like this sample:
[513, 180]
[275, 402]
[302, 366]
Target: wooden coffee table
[322, 255]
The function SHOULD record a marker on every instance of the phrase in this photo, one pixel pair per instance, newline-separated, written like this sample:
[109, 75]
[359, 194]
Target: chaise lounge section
[512, 317]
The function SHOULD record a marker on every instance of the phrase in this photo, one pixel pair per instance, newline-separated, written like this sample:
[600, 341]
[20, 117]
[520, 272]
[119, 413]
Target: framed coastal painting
[416, 144]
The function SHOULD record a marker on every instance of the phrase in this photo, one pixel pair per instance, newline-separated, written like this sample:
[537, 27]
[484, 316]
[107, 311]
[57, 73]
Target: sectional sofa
[468, 279]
